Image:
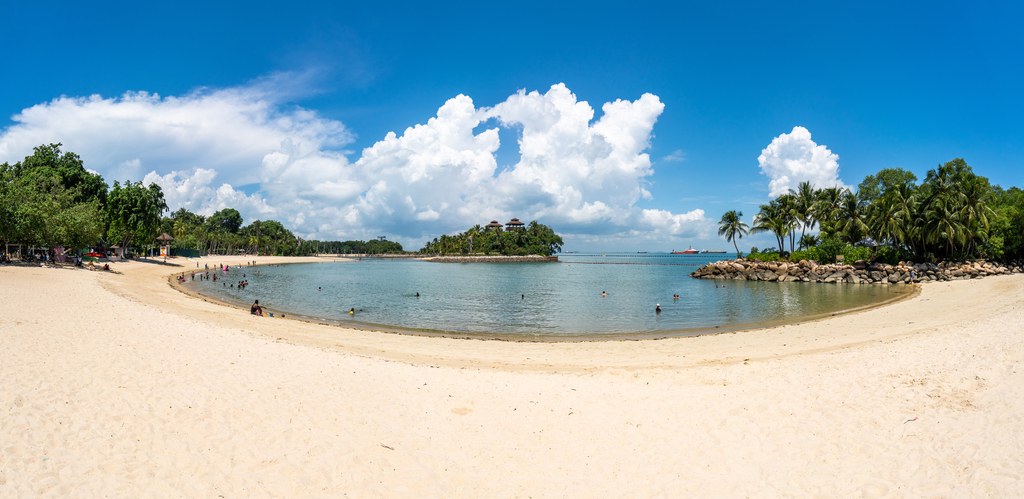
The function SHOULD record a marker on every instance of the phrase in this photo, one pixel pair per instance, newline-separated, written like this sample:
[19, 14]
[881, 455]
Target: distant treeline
[50, 199]
[372, 247]
[223, 233]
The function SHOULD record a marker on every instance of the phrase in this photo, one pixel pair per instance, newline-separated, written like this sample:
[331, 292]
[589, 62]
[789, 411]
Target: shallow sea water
[536, 300]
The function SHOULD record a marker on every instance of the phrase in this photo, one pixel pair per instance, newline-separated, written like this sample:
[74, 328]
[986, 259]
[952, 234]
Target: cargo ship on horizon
[687, 251]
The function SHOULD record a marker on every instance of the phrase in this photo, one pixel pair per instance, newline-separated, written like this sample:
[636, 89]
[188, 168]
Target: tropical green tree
[852, 217]
[732, 227]
[42, 201]
[874, 187]
[773, 218]
[133, 211]
[805, 200]
[830, 199]
[67, 168]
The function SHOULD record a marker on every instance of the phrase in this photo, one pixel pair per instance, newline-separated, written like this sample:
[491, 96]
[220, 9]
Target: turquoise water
[536, 300]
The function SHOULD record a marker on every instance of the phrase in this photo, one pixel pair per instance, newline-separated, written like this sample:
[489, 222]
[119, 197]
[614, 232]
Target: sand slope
[117, 385]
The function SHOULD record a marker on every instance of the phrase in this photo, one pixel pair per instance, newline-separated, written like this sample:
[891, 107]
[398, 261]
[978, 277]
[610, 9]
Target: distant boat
[688, 251]
[641, 252]
[714, 251]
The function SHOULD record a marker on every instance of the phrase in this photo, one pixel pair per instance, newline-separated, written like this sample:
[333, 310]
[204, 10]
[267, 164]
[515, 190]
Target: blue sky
[282, 103]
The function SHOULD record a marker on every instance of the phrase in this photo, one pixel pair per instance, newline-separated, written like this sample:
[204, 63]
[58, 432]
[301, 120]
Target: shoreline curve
[151, 286]
[912, 291]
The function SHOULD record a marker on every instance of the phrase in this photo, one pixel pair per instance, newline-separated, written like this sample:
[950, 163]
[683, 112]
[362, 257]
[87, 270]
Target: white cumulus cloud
[583, 176]
[793, 158]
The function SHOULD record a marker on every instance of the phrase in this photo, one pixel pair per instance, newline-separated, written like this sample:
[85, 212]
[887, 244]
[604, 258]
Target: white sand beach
[117, 385]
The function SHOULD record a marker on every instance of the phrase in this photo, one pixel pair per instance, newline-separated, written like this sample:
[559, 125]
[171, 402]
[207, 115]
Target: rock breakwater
[860, 272]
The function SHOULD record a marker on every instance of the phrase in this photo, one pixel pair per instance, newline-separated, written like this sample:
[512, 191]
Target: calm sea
[536, 300]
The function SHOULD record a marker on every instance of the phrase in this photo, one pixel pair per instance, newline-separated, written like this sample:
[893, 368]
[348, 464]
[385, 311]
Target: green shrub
[764, 257]
[807, 254]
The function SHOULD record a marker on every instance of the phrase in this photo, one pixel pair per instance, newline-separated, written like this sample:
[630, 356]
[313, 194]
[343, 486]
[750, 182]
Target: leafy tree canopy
[134, 212]
[227, 219]
[877, 185]
[66, 168]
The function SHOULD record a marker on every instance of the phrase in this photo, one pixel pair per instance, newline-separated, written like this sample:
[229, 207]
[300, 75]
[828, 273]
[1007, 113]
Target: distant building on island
[511, 224]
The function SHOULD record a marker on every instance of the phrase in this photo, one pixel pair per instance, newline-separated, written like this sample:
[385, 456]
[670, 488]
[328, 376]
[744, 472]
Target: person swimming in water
[417, 294]
[657, 308]
[352, 311]
[604, 293]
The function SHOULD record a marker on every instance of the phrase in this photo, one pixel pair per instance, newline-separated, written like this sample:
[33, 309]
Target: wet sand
[117, 384]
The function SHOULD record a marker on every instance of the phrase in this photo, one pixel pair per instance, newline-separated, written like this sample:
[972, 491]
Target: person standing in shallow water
[657, 308]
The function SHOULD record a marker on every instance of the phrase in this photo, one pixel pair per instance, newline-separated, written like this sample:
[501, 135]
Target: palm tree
[943, 222]
[808, 241]
[733, 228]
[830, 200]
[181, 228]
[772, 218]
[789, 209]
[852, 217]
[975, 211]
[805, 200]
[884, 219]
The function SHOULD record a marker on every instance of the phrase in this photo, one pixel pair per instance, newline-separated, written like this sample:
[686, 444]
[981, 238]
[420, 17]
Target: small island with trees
[514, 241]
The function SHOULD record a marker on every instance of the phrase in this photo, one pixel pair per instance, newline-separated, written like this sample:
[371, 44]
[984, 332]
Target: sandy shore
[116, 384]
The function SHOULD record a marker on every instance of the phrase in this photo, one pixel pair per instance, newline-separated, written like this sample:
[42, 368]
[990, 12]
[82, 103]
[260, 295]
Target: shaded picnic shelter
[165, 243]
